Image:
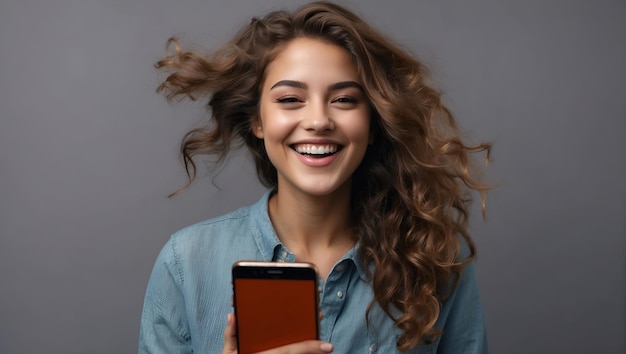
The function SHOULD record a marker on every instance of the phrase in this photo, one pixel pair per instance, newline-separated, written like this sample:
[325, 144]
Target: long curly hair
[411, 193]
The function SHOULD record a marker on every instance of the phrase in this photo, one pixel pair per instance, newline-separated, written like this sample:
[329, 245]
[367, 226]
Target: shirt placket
[333, 298]
[284, 256]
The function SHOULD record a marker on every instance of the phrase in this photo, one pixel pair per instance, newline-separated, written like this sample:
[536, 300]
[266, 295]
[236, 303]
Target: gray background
[88, 153]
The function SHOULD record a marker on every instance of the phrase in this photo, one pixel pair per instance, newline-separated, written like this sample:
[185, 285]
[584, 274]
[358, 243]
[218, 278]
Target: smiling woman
[368, 180]
[311, 105]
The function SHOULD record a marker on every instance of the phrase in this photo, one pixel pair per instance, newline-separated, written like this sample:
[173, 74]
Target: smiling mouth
[316, 150]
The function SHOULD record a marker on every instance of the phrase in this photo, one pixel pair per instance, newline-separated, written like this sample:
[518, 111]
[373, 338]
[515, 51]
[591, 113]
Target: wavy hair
[411, 193]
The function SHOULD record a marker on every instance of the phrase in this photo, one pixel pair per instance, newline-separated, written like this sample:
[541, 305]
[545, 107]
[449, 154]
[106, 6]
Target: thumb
[230, 336]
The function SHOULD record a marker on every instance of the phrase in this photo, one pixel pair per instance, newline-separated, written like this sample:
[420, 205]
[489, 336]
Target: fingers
[305, 347]
[230, 336]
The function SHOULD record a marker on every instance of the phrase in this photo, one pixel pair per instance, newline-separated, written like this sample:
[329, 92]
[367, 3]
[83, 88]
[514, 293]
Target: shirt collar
[262, 229]
[353, 255]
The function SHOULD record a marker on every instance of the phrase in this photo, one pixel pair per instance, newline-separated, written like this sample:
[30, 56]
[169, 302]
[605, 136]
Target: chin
[324, 190]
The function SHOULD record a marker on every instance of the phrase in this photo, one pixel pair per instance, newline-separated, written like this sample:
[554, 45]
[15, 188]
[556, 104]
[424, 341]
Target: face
[313, 117]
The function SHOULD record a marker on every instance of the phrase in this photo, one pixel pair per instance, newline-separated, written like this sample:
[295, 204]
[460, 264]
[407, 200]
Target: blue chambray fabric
[189, 293]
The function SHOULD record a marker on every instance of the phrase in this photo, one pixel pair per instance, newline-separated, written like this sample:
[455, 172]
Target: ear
[257, 127]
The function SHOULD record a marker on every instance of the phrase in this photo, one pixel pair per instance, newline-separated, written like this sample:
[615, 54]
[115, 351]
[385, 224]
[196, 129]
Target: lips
[316, 150]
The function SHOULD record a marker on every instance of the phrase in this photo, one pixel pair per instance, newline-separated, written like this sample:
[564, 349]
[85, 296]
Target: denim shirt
[189, 294]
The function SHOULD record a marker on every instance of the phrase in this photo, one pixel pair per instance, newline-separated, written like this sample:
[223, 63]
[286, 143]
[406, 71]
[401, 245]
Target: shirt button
[339, 268]
[340, 294]
[373, 348]
[285, 254]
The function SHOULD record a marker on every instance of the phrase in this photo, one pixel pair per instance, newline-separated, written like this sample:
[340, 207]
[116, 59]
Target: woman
[368, 180]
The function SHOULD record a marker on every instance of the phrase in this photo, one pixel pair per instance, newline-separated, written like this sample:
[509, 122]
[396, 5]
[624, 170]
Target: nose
[317, 119]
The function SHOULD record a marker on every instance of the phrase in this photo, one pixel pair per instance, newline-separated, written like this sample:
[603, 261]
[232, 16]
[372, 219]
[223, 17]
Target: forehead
[311, 61]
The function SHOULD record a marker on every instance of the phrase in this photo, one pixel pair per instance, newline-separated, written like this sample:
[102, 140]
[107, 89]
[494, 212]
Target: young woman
[368, 180]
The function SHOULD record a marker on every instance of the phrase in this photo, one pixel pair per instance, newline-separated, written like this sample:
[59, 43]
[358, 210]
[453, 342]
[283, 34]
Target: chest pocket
[384, 345]
[383, 338]
[382, 334]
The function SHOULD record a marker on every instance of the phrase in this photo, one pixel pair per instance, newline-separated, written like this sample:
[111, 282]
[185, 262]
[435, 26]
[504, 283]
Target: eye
[288, 99]
[346, 99]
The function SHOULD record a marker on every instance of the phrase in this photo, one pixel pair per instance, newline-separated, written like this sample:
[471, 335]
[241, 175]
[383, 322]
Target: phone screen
[274, 306]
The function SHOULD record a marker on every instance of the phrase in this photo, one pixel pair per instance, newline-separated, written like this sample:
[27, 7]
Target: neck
[307, 224]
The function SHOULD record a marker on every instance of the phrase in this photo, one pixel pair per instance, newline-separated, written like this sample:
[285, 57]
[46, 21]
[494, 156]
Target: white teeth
[316, 149]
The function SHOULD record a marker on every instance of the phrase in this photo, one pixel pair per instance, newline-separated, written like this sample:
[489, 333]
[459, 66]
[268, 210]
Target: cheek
[358, 128]
[276, 123]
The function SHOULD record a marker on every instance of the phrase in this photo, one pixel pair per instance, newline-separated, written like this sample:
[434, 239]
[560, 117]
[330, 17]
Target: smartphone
[275, 304]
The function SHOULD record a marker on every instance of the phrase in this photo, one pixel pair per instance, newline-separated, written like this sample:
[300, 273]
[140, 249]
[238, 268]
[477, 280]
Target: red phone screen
[274, 312]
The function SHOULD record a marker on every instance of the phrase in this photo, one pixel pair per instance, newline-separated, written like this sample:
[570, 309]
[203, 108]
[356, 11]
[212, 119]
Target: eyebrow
[345, 84]
[290, 83]
[302, 85]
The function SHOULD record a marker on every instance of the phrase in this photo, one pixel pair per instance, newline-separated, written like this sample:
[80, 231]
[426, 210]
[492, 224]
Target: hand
[304, 347]
[230, 336]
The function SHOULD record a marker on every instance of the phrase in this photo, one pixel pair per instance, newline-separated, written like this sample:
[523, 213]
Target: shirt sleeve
[464, 327]
[164, 327]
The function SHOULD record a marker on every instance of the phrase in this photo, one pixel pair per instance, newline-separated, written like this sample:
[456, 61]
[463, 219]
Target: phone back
[275, 304]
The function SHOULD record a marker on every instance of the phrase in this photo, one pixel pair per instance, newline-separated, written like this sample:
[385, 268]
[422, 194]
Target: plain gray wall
[88, 153]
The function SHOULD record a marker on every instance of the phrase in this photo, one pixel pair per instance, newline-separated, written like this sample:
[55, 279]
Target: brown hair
[411, 192]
